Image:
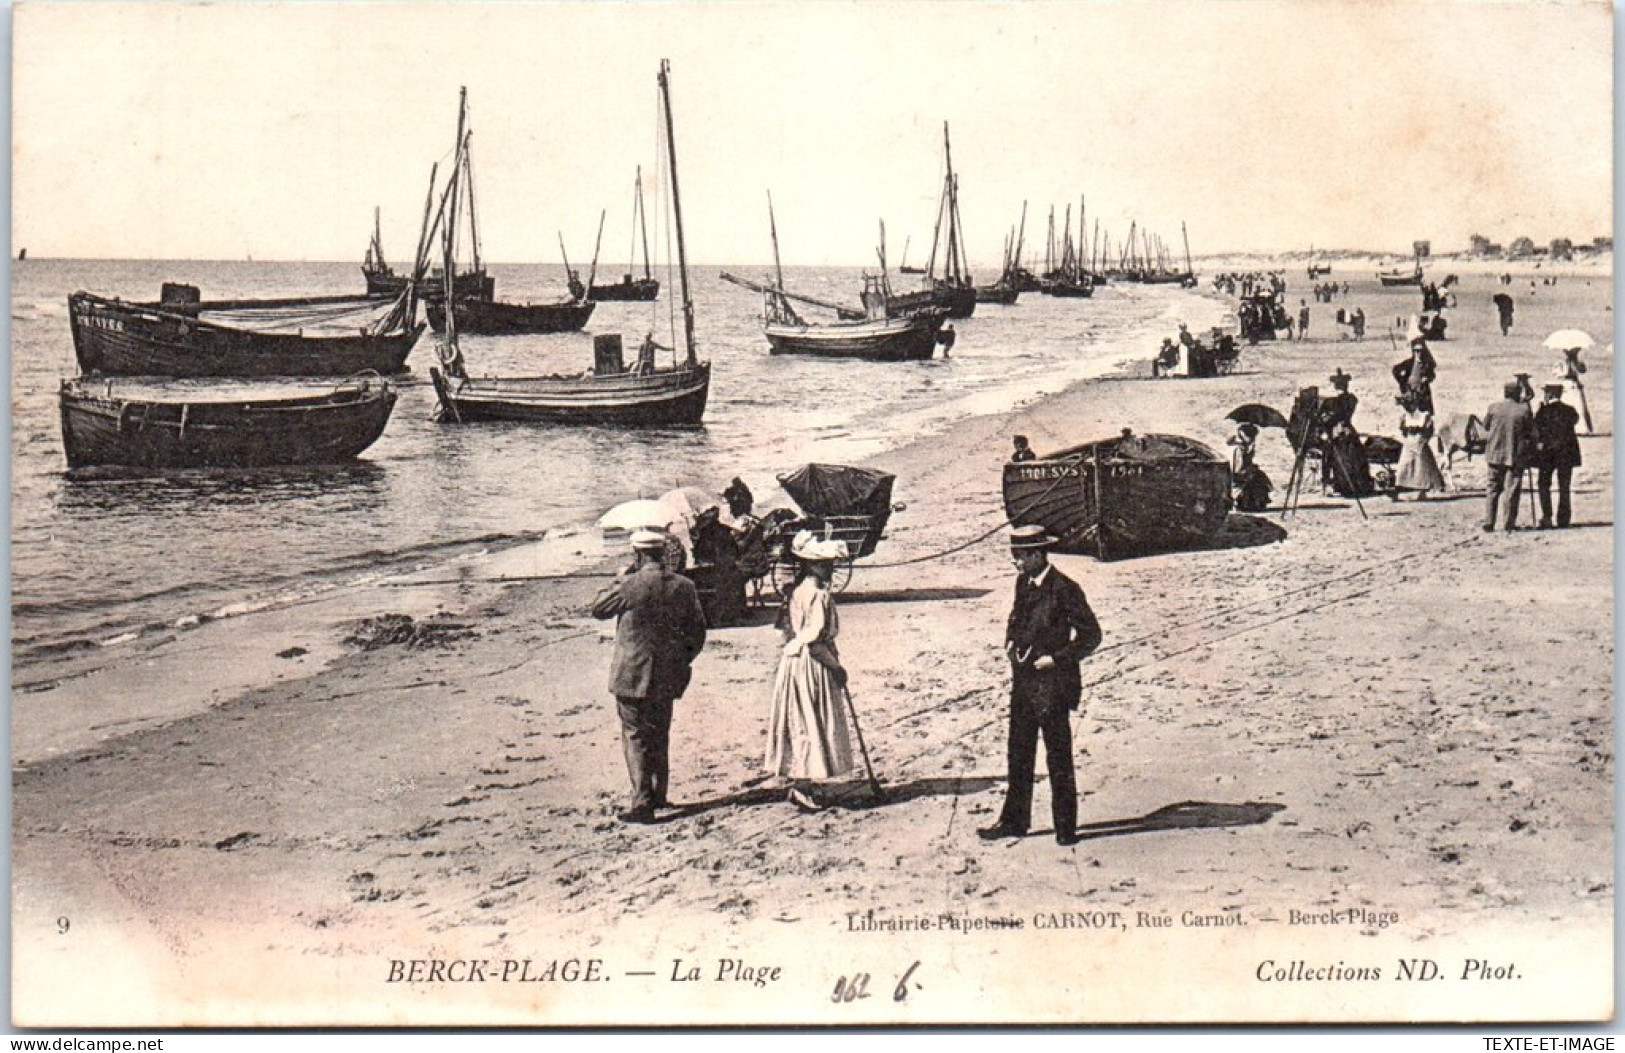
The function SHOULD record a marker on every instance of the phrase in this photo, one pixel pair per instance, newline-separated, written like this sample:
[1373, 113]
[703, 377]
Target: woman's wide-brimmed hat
[810, 548]
[1030, 538]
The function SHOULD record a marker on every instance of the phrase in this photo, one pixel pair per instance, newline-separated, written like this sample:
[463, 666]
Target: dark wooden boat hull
[1400, 279]
[469, 283]
[912, 339]
[114, 338]
[666, 398]
[494, 318]
[957, 301]
[1068, 290]
[1101, 501]
[104, 430]
[1000, 294]
[641, 291]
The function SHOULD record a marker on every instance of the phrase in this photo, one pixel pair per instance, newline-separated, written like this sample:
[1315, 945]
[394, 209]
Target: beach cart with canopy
[835, 502]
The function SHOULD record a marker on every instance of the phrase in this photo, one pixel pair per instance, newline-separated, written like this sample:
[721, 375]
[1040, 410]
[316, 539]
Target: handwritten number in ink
[62, 925]
[901, 992]
[851, 990]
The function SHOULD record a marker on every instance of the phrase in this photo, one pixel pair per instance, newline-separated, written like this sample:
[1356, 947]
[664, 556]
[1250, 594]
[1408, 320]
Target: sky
[273, 130]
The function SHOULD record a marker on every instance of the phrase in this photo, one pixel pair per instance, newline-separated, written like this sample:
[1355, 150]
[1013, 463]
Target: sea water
[99, 561]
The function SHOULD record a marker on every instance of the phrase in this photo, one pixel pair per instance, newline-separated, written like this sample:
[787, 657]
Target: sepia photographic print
[757, 514]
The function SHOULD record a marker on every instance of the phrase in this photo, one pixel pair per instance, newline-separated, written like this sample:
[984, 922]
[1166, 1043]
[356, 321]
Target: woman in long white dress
[1418, 469]
[809, 739]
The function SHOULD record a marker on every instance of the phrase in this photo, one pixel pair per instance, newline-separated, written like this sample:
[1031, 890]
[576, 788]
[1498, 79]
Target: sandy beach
[1336, 742]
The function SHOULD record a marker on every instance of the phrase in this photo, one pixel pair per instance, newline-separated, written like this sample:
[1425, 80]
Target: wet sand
[1389, 713]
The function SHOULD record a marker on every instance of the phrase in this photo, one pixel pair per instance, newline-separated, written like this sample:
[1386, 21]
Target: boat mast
[1020, 237]
[1186, 235]
[956, 243]
[677, 212]
[592, 272]
[773, 228]
[473, 215]
[643, 225]
[420, 261]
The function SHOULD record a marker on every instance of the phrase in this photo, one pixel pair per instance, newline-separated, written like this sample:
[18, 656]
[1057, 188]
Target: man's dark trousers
[1029, 718]
[646, 738]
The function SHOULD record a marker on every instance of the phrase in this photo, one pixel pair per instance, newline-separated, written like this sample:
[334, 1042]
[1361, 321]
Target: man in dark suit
[1051, 630]
[1509, 446]
[658, 634]
[1557, 452]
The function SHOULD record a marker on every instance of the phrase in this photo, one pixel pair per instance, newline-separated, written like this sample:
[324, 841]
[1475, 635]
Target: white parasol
[635, 515]
[1569, 340]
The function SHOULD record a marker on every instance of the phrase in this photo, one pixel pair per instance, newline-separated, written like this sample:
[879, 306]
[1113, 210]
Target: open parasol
[1569, 340]
[1256, 413]
[636, 515]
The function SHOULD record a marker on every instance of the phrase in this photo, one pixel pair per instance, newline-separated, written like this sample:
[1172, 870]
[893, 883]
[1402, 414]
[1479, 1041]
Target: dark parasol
[1257, 413]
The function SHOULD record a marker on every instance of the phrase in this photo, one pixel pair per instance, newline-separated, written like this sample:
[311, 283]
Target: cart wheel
[841, 575]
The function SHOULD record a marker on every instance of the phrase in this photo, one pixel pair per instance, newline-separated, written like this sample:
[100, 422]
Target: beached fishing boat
[611, 393]
[184, 336]
[1398, 277]
[631, 289]
[1125, 496]
[103, 428]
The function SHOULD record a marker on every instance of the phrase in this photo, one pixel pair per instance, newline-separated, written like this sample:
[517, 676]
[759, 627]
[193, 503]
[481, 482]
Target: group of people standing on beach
[812, 724]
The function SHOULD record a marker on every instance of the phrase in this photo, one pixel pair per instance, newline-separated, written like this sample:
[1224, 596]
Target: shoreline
[221, 640]
[1360, 747]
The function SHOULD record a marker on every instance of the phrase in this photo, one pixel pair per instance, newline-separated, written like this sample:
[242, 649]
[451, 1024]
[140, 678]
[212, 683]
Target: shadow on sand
[909, 595]
[1247, 531]
[853, 795]
[1186, 815]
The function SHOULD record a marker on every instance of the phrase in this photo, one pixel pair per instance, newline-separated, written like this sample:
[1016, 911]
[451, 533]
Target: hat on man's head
[649, 540]
[1511, 389]
[1340, 378]
[1552, 389]
[1030, 539]
[811, 548]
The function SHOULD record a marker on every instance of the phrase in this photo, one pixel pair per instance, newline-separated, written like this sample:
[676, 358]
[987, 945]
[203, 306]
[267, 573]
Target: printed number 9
[62, 925]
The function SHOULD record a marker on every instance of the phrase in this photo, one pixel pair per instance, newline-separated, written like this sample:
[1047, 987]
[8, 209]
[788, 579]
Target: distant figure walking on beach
[808, 737]
[659, 631]
[1418, 469]
[1051, 630]
[1503, 309]
[1357, 321]
[1508, 448]
[1023, 450]
[1303, 319]
[1557, 453]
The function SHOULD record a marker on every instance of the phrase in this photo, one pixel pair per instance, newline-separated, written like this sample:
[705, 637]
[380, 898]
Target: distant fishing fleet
[358, 342]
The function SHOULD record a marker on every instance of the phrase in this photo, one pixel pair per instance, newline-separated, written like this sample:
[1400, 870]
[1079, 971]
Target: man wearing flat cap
[1050, 631]
[659, 631]
[1509, 446]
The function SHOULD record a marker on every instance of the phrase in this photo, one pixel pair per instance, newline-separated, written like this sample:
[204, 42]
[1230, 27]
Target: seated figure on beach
[1023, 450]
[1167, 358]
[1344, 467]
[1252, 488]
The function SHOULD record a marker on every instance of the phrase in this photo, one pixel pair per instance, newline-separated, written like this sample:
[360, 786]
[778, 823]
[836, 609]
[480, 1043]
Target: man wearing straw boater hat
[1050, 631]
[659, 631]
